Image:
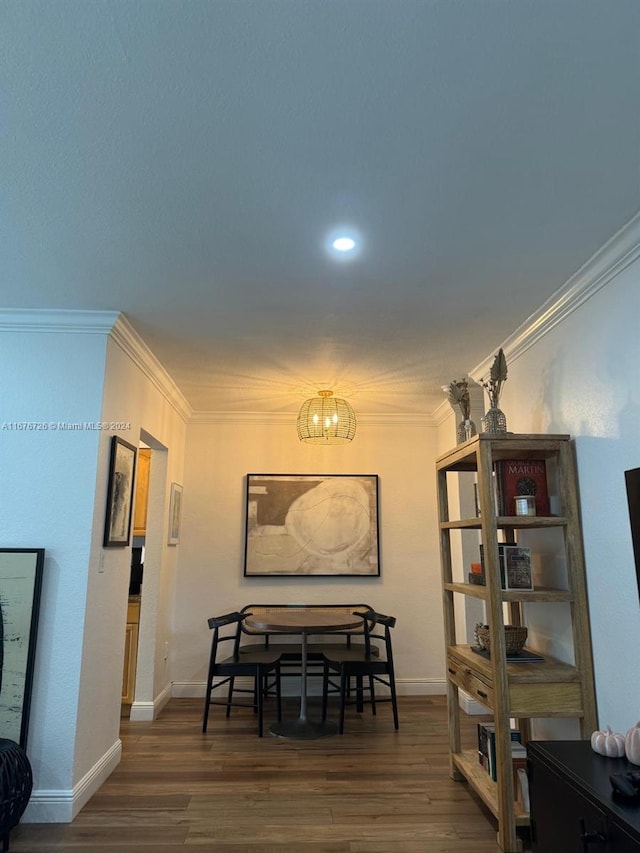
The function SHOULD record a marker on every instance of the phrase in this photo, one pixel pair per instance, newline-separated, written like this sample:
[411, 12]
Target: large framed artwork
[312, 525]
[117, 527]
[20, 586]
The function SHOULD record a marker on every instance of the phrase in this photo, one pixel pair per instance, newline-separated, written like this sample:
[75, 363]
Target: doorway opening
[143, 663]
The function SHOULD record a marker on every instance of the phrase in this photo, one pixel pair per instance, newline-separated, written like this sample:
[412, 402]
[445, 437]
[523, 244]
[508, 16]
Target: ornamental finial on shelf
[497, 378]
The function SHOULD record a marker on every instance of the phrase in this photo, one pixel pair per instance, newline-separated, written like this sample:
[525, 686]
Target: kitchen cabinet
[141, 501]
[130, 650]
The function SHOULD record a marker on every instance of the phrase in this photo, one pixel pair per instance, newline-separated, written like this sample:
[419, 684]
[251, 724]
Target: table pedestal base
[302, 729]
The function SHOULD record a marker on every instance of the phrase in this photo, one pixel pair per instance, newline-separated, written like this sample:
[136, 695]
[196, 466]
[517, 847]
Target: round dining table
[303, 621]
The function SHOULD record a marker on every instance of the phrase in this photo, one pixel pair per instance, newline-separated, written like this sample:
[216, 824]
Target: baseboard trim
[421, 686]
[404, 687]
[146, 712]
[61, 806]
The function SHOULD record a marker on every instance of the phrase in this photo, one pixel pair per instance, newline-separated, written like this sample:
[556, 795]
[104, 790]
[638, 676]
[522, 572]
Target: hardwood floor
[371, 790]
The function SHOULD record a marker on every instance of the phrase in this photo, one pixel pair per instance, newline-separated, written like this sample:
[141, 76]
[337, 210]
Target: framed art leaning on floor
[20, 584]
[312, 525]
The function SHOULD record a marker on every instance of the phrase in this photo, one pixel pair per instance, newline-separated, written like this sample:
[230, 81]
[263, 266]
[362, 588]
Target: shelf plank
[511, 446]
[538, 594]
[550, 670]
[512, 522]
[484, 786]
[471, 589]
[462, 524]
[541, 593]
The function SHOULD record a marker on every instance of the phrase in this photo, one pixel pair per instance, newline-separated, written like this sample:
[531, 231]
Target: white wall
[581, 378]
[47, 500]
[218, 457]
[130, 397]
[63, 368]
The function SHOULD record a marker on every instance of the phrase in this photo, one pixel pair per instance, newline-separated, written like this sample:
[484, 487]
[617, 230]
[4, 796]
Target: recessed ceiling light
[344, 244]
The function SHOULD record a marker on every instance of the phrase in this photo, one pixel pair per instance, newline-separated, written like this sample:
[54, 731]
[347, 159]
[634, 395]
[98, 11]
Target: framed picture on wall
[122, 468]
[632, 481]
[20, 586]
[175, 512]
[312, 525]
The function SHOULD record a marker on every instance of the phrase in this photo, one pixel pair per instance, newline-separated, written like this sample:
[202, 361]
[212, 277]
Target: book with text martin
[521, 477]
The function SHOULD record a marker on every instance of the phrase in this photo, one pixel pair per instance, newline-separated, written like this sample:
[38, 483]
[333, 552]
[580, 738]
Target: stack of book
[487, 749]
[515, 566]
[476, 575]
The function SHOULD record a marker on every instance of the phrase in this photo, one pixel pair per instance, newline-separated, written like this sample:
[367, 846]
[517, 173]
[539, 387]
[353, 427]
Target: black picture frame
[21, 571]
[312, 525]
[175, 514]
[122, 466]
[632, 482]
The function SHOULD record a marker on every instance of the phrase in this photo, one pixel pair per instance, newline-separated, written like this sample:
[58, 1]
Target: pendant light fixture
[326, 419]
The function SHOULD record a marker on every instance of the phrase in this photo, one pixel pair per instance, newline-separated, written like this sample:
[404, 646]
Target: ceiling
[184, 162]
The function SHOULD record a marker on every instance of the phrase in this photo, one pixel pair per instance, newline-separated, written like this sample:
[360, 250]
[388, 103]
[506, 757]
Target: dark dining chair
[256, 662]
[366, 666]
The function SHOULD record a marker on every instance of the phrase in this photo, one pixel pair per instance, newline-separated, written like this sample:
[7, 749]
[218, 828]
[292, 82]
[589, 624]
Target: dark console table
[573, 808]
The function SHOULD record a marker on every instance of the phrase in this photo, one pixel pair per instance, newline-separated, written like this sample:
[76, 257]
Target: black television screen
[632, 479]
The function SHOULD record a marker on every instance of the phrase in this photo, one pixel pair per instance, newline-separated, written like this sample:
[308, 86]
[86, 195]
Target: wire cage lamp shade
[326, 419]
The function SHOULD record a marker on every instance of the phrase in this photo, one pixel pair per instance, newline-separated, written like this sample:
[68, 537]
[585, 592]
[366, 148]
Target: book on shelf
[483, 745]
[476, 500]
[487, 748]
[476, 575]
[515, 566]
[516, 477]
[522, 789]
[494, 492]
[519, 762]
[523, 656]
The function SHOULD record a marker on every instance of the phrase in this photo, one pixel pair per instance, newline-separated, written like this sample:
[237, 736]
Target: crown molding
[442, 413]
[256, 418]
[289, 419]
[130, 342]
[406, 419]
[110, 323]
[616, 255]
[57, 320]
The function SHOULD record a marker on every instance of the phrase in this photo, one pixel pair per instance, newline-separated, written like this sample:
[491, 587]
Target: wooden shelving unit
[550, 688]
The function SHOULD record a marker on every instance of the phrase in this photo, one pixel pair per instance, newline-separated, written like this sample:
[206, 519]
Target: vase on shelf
[466, 429]
[494, 421]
